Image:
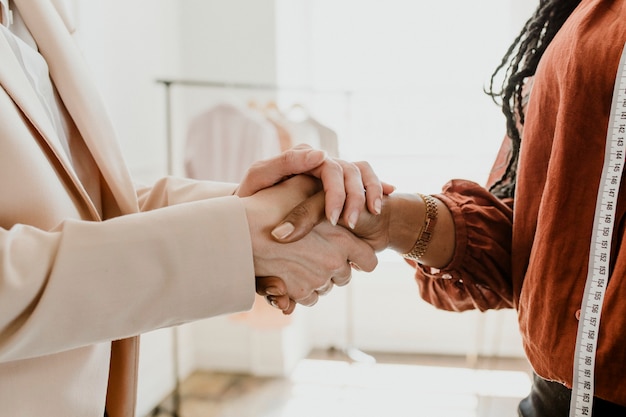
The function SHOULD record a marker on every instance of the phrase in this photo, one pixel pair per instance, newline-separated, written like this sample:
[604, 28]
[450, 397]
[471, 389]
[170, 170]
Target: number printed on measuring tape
[597, 274]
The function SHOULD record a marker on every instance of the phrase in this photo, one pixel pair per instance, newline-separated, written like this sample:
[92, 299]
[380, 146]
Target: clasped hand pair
[321, 249]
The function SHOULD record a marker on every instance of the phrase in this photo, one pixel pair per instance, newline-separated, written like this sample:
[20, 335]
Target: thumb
[301, 220]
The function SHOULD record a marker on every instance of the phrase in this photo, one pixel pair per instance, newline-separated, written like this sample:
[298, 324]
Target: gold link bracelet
[430, 219]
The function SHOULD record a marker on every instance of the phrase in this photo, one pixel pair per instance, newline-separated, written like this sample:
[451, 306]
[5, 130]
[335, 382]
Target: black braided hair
[518, 63]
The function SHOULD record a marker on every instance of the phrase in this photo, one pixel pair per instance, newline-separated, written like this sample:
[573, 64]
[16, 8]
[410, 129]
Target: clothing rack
[352, 353]
[168, 83]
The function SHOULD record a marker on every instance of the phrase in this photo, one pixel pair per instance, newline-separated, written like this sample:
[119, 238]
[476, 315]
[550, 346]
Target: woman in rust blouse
[524, 242]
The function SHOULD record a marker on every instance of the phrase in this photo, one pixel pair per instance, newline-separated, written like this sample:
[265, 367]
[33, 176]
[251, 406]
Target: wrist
[406, 213]
[406, 221]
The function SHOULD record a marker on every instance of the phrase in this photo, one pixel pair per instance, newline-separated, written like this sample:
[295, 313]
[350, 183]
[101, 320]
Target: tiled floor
[328, 385]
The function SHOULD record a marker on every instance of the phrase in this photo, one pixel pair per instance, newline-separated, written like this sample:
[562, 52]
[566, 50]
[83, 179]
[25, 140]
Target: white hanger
[298, 113]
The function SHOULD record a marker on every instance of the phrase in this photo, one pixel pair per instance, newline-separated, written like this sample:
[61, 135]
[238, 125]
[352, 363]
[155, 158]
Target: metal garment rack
[352, 353]
[168, 83]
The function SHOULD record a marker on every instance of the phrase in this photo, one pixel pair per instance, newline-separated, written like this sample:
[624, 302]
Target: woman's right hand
[311, 265]
[371, 228]
[350, 187]
[397, 227]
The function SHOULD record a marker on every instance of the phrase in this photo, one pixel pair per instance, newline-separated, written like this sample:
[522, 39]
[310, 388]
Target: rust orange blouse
[532, 254]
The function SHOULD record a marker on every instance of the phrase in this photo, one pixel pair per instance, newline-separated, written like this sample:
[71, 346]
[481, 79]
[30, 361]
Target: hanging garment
[267, 111]
[299, 130]
[300, 120]
[329, 140]
[284, 137]
[225, 140]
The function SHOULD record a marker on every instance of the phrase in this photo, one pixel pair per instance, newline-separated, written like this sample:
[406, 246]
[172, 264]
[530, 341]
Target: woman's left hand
[348, 186]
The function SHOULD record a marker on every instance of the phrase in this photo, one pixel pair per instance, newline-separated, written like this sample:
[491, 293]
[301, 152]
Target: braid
[520, 62]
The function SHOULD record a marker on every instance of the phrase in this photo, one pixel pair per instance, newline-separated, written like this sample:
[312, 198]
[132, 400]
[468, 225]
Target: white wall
[129, 44]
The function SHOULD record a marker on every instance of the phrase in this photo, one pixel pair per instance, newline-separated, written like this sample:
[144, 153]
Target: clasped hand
[301, 271]
[310, 266]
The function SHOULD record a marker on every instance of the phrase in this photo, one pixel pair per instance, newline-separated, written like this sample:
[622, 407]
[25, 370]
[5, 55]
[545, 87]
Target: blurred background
[400, 84]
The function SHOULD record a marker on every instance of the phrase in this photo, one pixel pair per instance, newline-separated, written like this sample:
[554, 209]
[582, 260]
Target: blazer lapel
[82, 100]
[15, 83]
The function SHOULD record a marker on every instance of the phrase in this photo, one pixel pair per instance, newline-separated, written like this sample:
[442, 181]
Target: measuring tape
[598, 272]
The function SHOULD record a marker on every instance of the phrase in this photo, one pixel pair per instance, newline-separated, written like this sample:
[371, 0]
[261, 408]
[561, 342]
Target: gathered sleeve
[479, 275]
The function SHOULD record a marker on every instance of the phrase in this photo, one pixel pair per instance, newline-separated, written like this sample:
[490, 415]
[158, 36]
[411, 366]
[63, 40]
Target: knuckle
[364, 165]
[351, 169]
[341, 282]
[334, 166]
[301, 210]
[357, 199]
[256, 167]
[371, 265]
[309, 300]
[288, 157]
[325, 289]
[372, 183]
[302, 216]
[337, 267]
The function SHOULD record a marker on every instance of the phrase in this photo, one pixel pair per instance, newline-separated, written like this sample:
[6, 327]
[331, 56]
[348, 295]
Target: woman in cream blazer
[85, 257]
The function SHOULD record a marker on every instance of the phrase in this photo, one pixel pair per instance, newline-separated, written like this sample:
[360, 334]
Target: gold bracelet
[430, 219]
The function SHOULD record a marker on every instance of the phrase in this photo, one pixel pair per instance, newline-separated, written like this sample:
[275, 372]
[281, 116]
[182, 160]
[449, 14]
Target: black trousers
[551, 399]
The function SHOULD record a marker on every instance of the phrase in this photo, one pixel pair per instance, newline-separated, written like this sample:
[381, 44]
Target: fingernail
[378, 205]
[283, 230]
[352, 219]
[273, 291]
[334, 218]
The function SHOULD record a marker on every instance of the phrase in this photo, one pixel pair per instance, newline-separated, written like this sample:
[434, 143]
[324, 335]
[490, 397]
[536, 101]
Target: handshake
[312, 219]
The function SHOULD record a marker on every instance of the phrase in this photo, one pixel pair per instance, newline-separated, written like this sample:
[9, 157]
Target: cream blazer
[85, 257]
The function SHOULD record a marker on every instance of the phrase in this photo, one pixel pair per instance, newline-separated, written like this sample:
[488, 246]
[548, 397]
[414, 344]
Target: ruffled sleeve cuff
[479, 274]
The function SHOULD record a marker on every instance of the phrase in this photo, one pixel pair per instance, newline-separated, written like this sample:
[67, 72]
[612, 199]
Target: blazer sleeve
[172, 190]
[86, 282]
[479, 275]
